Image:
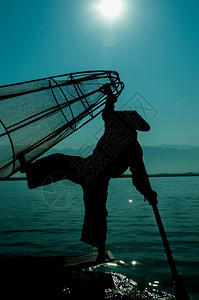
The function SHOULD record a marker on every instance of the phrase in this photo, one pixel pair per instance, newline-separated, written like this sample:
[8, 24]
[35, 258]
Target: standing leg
[95, 226]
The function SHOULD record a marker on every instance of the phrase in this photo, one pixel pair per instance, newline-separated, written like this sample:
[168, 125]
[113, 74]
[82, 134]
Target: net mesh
[36, 115]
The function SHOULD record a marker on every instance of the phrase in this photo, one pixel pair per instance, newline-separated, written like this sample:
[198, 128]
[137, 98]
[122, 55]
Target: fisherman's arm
[141, 180]
[110, 101]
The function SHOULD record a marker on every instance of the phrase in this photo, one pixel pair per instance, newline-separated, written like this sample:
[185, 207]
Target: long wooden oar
[180, 290]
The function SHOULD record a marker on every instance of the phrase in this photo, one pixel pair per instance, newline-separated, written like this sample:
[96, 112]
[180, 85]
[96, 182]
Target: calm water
[47, 221]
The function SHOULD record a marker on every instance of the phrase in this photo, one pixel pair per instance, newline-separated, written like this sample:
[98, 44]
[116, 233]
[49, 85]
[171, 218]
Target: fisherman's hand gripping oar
[151, 197]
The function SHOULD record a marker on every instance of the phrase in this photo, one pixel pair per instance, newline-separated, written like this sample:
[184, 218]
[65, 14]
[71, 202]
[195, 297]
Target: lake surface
[47, 222]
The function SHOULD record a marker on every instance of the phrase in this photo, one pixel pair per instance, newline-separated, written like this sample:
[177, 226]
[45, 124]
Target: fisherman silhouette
[116, 151]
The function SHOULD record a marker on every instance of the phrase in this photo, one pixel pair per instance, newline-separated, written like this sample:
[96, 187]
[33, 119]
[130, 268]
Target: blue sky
[153, 44]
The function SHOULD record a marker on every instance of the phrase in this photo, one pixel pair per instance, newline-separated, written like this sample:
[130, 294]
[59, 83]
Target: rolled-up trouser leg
[53, 168]
[95, 225]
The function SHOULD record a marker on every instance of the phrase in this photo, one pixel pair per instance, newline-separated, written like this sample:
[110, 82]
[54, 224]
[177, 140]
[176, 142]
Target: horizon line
[186, 174]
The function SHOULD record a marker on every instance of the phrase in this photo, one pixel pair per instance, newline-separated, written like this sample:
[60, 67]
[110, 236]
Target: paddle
[180, 290]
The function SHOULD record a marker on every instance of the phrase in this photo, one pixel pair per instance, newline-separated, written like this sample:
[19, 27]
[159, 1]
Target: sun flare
[110, 8]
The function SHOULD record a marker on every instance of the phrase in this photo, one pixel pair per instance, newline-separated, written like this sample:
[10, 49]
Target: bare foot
[101, 253]
[22, 161]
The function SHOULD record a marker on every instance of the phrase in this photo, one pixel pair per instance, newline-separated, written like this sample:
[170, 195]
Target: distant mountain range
[158, 159]
[171, 159]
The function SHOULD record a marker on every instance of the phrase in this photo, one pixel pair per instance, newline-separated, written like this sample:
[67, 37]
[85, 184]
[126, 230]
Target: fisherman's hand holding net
[106, 90]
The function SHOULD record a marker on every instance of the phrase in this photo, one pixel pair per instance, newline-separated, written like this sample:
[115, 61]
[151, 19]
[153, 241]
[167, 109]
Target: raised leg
[52, 168]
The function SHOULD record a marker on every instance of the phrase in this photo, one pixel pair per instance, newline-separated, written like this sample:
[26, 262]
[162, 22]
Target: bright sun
[110, 8]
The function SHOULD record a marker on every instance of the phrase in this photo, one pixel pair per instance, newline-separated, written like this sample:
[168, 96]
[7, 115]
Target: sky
[153, 44]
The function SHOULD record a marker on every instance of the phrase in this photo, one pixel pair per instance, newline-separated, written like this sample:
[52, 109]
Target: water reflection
[125, 287]
[122, 262]
[112, 264]
[154, 283]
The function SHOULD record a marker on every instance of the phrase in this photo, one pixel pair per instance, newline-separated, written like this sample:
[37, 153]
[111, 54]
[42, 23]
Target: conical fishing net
[36, 115]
